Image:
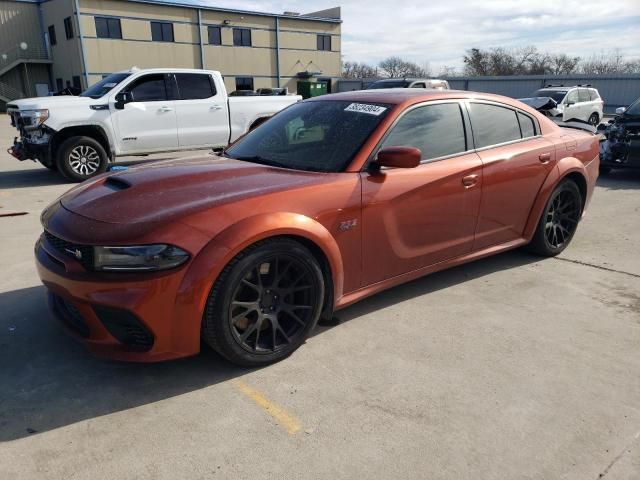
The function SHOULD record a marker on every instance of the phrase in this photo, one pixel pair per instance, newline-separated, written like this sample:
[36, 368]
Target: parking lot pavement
[513, 367]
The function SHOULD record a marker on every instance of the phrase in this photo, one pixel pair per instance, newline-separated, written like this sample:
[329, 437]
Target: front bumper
[121, 317]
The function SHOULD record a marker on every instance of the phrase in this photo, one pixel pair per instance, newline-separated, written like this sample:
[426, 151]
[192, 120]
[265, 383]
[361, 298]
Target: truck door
[202, 111]
[147, 122]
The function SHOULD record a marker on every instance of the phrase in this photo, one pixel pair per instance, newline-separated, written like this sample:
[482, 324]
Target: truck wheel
[80, 158]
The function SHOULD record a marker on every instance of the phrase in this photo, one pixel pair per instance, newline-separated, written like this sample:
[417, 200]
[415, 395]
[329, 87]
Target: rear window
[493, 125]
[389, 84]
[194, 86]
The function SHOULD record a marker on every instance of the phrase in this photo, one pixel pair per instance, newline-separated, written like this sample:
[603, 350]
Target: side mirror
[122, 98]
[620, 110]
[399, 157]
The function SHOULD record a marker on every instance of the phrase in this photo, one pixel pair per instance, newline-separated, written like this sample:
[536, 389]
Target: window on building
[162, 32]
[68, 27]
[215, 37]
[52, 35]
[150, 88]
[76, 82]
[437, 130]
[324, 42]
[242, 37]
[68, 83]
[244, 83]
[527, 127]
[492, 124]
[59, 84]
[193, 86]
[108, 27]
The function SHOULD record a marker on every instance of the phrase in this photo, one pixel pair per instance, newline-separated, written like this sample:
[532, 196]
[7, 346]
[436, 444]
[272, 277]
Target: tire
[80, 158]
[264, 303]
[594, 119]
[559, 220]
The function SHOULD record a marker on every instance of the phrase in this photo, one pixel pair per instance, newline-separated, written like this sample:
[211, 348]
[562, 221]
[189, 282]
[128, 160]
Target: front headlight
[36, 117]
[138, 258]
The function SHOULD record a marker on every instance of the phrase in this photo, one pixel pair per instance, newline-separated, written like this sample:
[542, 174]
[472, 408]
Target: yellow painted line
[289, 422]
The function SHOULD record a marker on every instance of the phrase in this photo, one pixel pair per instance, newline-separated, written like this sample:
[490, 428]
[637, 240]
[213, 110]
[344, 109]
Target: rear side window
[194, 86]
[584, 95]
[594, 94]
[527, 127]
[492, 124]
[437, 130]
[150, 88]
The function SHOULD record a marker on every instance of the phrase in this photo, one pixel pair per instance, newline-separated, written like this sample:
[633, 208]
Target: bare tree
[396, 67]
[476, 62]
[562, 64]
[611, 62]
[447, 71]
[358, 70]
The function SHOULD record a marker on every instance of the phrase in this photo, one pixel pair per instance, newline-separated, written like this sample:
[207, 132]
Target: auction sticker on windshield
[365, 108]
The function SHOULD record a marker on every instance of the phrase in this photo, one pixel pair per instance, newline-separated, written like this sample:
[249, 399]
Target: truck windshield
[557, 95]
[389, 84]
[105, 85]
[319, 135]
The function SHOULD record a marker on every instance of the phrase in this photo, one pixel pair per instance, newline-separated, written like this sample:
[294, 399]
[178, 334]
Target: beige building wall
[66, 54]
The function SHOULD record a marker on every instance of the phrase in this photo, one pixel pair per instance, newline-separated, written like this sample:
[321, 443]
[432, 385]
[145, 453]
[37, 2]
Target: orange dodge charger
[330, 201]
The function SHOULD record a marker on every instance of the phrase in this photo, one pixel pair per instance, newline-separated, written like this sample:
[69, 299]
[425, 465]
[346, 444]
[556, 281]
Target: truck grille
[82, 253]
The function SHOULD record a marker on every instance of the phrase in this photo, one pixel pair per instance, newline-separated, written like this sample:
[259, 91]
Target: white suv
[581, 102]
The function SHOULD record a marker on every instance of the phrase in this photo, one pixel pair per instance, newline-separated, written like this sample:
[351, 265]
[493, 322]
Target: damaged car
[580, 102]
[621, 147]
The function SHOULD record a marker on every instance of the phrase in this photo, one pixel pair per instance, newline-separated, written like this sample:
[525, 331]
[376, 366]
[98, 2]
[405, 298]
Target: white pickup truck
[135, 112]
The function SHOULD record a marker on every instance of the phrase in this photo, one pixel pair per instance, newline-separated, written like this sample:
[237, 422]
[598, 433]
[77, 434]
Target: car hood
[49, 102]
[169, 190]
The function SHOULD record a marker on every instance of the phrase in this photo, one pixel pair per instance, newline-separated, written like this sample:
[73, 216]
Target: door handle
[166, 109]
[545, 157]
[470, 180]
[216, 107]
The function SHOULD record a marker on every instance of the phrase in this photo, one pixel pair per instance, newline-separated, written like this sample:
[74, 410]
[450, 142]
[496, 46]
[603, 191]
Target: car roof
[398, 96]
[566, 89]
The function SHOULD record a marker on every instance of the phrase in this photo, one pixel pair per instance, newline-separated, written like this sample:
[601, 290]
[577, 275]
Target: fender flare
[106, 132]
[565, 167]
[209, 262]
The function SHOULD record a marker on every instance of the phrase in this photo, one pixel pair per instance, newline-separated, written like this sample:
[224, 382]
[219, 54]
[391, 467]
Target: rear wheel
[265, 303]
[594, 119]
[80, 158]
[559, 220]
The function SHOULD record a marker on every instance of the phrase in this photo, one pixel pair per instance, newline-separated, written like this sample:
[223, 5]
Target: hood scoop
[116, 183]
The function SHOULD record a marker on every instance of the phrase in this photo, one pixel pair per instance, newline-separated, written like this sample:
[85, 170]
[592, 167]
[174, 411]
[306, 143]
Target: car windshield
[634, 109]
[557, 95]
[319, 135]
[389, 84]
[105, 85]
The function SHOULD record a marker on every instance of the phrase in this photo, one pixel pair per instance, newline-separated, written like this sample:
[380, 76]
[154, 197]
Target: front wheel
[265, 303]
[80, 158]
[559, 220]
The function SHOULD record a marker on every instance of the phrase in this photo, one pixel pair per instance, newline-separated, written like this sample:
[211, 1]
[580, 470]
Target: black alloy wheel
[594, 119]
[265, 303]
[559, 220]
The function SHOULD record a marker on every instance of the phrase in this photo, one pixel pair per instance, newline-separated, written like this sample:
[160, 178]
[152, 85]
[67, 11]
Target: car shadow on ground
[49, 381]
[622, 179]
[40, 177]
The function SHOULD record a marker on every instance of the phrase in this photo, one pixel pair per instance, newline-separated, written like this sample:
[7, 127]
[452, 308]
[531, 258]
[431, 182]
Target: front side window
[244, 83]
[150, 88]
[68, 27]
[492, 124]
[52, 35]
[108, 27]
[103, 86]
[242, 37]
[162, 32]
[320, 136]
[324, 42]
[573, 97]
[215, 37]
[437, 130]
[194, 86]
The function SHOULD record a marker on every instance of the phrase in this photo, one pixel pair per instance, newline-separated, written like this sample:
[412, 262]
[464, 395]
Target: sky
[439, 32]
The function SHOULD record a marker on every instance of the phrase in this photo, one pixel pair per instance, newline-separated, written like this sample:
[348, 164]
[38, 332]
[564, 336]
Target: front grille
[69, 314]
[82, 253]
[125, 327]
